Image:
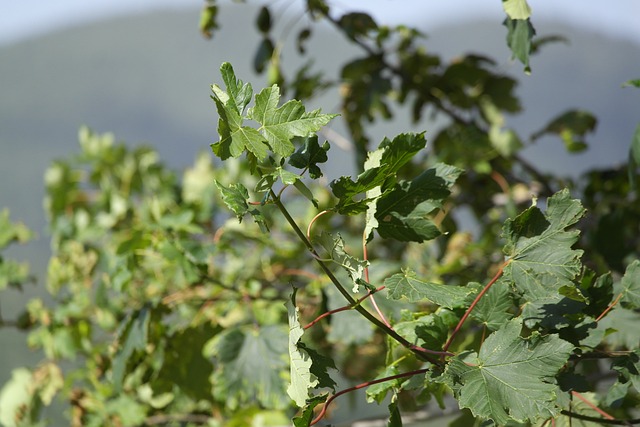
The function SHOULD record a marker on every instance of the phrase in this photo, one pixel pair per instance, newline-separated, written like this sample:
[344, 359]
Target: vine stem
[420, 352]
[359, 386]
[474, 303]
[608, 309]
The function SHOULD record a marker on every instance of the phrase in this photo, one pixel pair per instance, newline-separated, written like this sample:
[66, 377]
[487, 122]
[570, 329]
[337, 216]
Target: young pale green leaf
[402, 213]
[386, 161]
[309, 155]
[334, 247]
[542, 261]
[520, 32]
[301, 378]
[280, 124]
[516, 9]
[249, 366]
[407, 285]
[512, 378]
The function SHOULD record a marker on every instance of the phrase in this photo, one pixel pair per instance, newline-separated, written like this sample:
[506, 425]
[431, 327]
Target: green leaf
[16, 398]
[495, 307]
[512, 377]
[629, 286]
[430, 331]
[516, 9]
[519, 35]
[633, 82]
[235, 197]
[12, 232]
[280, 124]
[377, 392]
[541, 259]
[250, 365]
[571, 126]
[628, 368]
[407, 285]
[395, 419]
[309, 155]
[307, 414]
[239, 93]
[402, 213]
[308, 368]
[208, 20]
[133, 337]
[621, 326]
[264, 20]
[390, 156]
[334, 247]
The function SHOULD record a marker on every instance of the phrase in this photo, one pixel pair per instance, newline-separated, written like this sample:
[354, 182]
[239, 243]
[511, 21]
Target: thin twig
[613, 304]
[366, 278]
[359, 386]
[473, 304]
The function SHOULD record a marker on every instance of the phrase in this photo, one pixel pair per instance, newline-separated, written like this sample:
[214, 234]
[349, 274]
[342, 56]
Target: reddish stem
[359, 386]
[473, 304]
[592, 406]
[613, 304]
[366, 278]
[343, 308]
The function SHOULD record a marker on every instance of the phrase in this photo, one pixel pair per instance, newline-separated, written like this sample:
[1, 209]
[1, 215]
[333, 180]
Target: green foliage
[166, 309]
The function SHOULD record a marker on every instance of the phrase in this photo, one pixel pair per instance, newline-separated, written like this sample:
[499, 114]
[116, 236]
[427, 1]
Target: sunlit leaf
[511, 378]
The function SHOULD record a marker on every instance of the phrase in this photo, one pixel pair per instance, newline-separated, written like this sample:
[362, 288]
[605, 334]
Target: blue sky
[617, 18]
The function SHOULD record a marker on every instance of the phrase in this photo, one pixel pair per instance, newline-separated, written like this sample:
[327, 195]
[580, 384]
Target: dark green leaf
[263, 54]
[395, 419]
[512, 377]
[309, 155]
[387, 160]
[307, 413]
[357, 24]
[407, 285]
[402, 213]
[571, 126]
[303, 36]
[430, 331]
[132, 337]
[264, 20]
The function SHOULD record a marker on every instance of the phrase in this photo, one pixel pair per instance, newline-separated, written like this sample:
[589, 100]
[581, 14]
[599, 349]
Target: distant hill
[146, 78]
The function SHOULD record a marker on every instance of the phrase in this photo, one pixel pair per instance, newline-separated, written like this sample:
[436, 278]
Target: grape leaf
[308, 368]
[239, 93]
[249, 366]
[629, 286]
[235, 197]
[512, 377]
[401, 213]
[541, 259]
[309, 155]
[390, 156]
[280, 124]
[407, 285]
